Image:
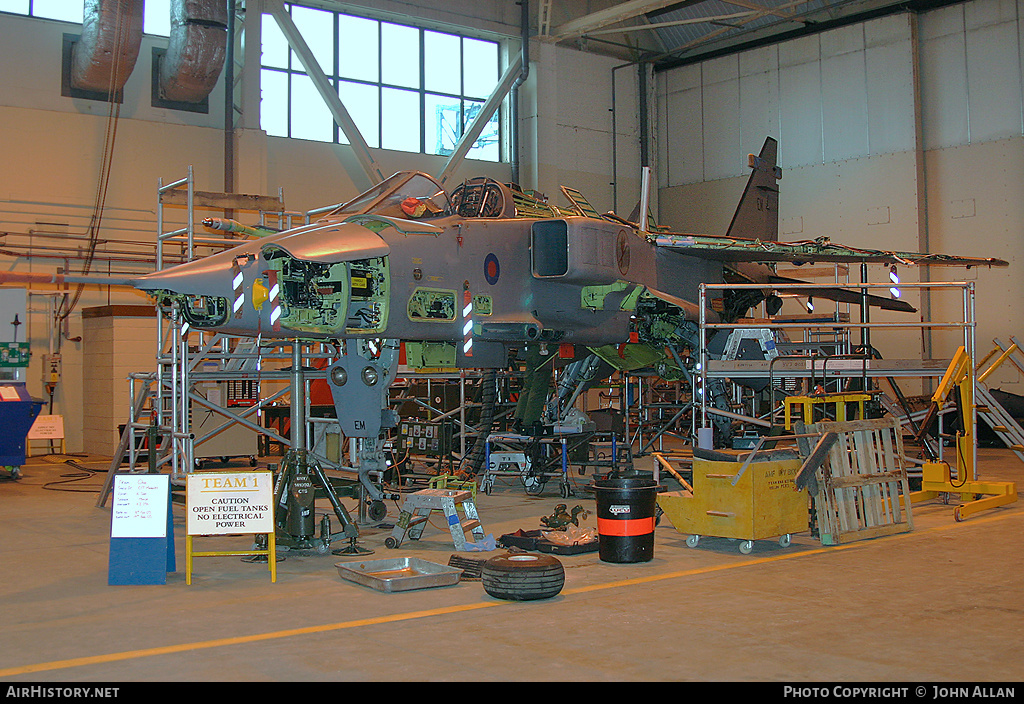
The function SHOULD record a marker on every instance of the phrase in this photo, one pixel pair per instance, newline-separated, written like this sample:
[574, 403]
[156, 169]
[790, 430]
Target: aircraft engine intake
[580, 250]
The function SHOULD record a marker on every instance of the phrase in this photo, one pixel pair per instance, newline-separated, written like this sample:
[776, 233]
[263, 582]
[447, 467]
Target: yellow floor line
[413, 615]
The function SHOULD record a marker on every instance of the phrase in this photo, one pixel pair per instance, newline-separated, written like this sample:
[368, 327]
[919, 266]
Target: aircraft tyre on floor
[523, 577]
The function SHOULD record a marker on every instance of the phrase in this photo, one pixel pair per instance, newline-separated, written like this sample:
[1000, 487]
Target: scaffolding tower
[160, 416]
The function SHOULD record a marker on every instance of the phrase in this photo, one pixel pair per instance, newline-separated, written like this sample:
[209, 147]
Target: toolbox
[741, 500]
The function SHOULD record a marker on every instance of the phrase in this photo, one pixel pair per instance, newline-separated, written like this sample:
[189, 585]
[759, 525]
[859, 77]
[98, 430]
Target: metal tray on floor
[399, 574]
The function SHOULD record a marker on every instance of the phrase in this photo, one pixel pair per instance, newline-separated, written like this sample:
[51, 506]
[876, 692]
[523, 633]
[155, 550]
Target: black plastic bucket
[625, 519]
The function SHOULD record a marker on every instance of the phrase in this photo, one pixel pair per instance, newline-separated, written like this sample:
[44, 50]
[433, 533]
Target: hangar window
[406, 88]
[45, 9]
[156, 13]
[156, 17]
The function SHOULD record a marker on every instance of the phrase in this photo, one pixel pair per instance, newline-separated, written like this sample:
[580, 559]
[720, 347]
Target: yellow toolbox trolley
[745, 501]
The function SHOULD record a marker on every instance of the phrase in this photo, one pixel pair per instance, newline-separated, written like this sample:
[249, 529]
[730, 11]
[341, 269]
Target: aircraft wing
[734, 249]
[840, 295]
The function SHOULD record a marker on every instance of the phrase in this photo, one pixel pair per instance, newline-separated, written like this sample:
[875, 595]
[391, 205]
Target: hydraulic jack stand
[294, 496]
[296, 485]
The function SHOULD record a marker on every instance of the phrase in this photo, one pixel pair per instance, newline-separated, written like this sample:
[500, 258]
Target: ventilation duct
[196, 50]
[105, 54]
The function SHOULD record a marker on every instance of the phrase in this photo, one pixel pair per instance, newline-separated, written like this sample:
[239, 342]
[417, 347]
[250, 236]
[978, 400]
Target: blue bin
[18, 412]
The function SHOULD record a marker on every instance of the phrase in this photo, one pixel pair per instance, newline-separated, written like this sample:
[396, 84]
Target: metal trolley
[529, 458]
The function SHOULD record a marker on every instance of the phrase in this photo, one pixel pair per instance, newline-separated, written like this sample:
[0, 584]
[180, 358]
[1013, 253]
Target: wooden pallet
[862, 489]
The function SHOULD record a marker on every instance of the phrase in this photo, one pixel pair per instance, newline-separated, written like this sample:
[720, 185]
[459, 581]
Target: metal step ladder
[912, 420]
[417, 509]
[990, 410]
[1001, 422]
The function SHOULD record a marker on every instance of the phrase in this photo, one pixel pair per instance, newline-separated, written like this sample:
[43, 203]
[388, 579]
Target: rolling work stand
[417, 509]
[532, 470]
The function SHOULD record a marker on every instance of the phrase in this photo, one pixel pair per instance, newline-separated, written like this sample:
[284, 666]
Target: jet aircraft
[462, 277]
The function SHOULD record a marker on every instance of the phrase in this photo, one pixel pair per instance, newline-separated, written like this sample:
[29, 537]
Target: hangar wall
[864, 162]
[54, 146]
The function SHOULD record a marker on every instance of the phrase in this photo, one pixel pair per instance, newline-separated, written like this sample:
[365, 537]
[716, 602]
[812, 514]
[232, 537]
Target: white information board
[223, 503]
[47, 428]
[140, 506]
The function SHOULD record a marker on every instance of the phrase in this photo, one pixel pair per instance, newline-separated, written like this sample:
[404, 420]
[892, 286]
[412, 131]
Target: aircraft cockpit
[481, 197]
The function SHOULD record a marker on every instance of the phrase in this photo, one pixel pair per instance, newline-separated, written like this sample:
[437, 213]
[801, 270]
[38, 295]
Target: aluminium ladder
[417, 509]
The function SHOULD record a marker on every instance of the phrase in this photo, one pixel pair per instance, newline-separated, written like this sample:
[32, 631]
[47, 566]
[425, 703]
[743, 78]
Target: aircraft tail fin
[634, 217]
[757, 216]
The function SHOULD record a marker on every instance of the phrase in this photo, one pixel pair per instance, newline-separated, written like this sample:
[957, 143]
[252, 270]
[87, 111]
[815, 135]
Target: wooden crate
[862, 489]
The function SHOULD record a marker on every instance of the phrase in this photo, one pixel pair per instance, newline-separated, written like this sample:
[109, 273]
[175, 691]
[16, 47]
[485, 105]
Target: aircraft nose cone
[198, 277]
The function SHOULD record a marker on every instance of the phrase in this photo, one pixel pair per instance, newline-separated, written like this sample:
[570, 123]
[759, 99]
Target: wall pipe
[229, 107]
[524, 34]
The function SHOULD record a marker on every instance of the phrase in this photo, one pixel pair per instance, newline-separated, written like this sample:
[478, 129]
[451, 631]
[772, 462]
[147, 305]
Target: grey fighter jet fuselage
[572, 279]
[471, 274]
[466, 275]
[462, 278]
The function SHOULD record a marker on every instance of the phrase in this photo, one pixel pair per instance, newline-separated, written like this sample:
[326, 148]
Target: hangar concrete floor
[943, 603]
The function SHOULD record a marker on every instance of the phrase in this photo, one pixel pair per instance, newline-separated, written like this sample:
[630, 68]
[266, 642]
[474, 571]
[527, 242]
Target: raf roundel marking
[492, 270]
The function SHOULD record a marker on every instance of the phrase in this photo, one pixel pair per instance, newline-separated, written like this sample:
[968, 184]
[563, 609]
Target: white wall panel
[993, 82]
[844, 40]
[759, 112]
[627, 142]
[844, 106]
[866, 192]
[989, 12]
[800, 108]
[842, 94]
[680, 124]
[660, 129]
[720, 70]
[890, 97]
[894, 29]
[944, 91]
[971, 73]
[585, 90]
[683, 78]
[684, 143]
[721, 104]
[756, 61]
[942, 22]
[849, 92]
[800, 51]
[975, 208]
[721, 144]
